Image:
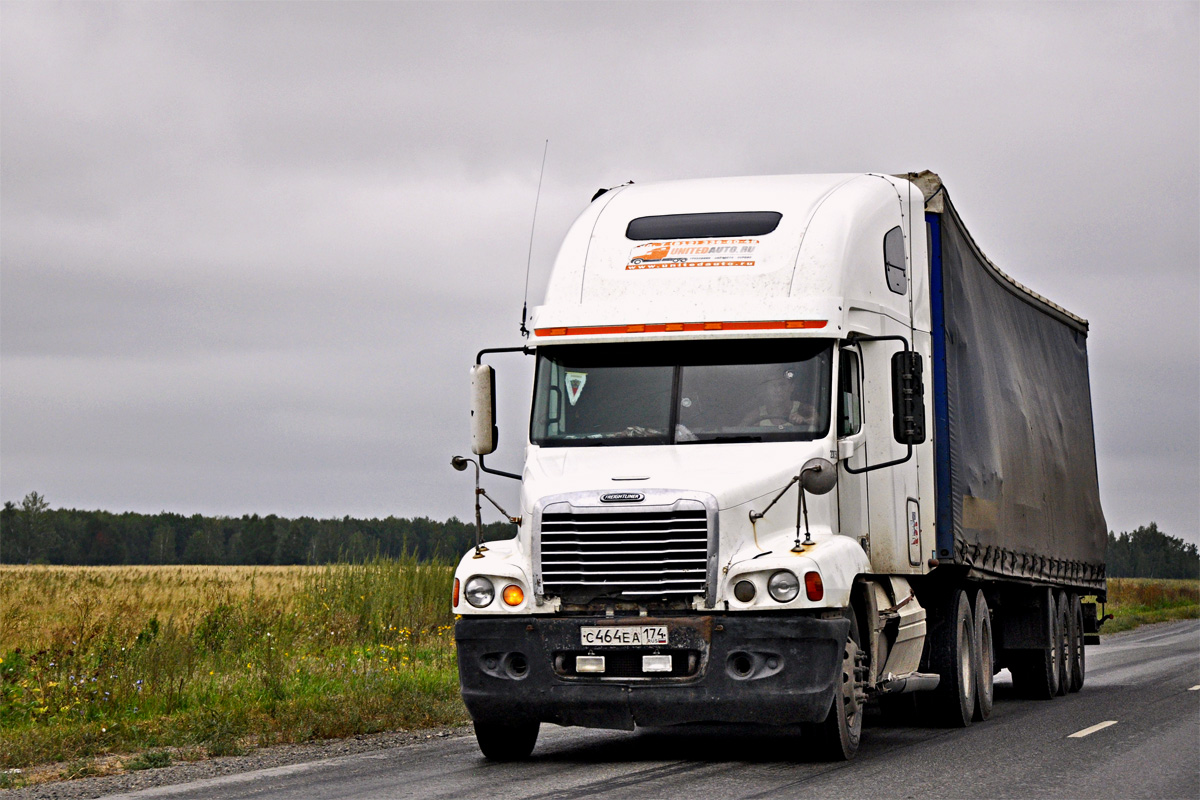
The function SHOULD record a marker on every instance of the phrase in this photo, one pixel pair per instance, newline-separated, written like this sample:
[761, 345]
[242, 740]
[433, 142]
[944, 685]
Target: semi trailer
[795, 446]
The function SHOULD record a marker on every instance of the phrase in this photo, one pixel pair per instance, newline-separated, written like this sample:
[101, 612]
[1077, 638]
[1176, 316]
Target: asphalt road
[1147, 682]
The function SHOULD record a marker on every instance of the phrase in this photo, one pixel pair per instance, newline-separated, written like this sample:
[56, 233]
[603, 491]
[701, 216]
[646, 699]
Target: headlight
[480, 592]
[744, 591]
[783, 586]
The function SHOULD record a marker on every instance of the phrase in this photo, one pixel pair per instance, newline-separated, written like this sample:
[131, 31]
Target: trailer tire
[954, 657]
[1076, 660]
[1062, 633]
[506, 741]
[986, 664]
[1036, 672]
[837, 738]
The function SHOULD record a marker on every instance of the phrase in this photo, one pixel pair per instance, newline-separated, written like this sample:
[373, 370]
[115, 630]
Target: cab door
[893, 506]
[853, 520]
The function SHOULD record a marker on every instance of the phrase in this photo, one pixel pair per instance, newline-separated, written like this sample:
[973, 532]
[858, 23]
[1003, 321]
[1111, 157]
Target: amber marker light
[813, 586]
[457, 585]
[513, 595]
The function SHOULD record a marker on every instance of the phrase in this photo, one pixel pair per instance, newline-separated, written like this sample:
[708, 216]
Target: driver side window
[849, 395]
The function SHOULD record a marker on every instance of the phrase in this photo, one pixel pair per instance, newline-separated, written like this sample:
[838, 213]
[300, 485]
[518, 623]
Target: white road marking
[1195, 688]
[1089, 731]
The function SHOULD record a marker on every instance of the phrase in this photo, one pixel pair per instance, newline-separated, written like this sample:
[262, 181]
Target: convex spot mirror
[818, 476]
[483, 410]
[908, 398]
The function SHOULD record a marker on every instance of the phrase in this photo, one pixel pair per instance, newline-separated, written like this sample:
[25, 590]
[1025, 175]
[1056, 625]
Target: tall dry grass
[1141, 601]
[121, 659]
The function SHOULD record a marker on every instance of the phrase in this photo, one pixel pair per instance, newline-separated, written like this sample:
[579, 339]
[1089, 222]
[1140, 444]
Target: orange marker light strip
[672, 327]
[513, 595]
[456, 588]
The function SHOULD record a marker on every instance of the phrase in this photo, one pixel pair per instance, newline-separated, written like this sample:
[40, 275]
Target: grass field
[213, 660]
[1141, 601]
[161, 663]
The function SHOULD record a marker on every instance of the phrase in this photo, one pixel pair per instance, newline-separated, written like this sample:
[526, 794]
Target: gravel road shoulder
[264, 758]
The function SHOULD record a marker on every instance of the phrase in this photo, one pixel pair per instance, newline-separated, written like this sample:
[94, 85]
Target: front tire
[506, 742]
[837, 738]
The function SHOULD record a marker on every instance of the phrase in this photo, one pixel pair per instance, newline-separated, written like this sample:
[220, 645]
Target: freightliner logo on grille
[622, 497]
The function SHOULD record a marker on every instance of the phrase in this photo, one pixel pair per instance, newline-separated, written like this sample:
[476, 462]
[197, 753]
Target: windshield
[762, 390]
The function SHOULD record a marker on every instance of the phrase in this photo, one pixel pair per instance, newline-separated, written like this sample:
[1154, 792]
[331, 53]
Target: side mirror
[818, 476]
[908, 398]
[483, 410]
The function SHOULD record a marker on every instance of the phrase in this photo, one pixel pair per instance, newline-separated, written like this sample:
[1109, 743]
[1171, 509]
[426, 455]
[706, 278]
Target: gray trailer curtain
[1024, 494]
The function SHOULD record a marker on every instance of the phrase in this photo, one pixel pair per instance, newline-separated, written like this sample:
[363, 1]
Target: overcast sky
[249, 250]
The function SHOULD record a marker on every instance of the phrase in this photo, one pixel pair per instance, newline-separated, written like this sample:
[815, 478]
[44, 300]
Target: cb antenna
[532, 227]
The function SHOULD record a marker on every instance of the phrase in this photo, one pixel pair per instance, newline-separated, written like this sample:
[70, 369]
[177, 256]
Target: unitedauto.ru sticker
[693, 253]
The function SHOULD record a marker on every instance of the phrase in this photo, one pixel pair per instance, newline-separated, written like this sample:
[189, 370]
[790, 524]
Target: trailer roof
[937, 201]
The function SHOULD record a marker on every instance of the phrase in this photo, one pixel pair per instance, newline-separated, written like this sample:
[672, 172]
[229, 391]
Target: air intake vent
[648, 554]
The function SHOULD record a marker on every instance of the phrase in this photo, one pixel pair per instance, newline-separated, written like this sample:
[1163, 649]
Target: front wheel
[837, 738]
[506, 742]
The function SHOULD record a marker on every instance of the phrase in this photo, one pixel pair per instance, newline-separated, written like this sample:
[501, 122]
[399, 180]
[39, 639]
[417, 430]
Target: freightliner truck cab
[727, 505]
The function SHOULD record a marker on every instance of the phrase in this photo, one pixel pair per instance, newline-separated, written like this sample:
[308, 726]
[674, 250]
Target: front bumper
[775, 670]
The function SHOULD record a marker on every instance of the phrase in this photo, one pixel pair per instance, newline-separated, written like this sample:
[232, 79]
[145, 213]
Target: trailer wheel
[1062, 634]
[1076, 660]
[506, 742]
[1036, 673]
[954, 657]
[837, 738]
[987, 666]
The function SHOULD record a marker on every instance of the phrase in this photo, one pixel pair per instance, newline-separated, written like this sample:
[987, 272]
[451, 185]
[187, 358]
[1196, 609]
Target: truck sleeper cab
[771, 473]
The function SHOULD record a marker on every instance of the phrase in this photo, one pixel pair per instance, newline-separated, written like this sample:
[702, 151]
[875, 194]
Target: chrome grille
[636, 554]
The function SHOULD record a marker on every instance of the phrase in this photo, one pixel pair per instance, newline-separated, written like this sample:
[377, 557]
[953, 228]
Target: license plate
[623, 635]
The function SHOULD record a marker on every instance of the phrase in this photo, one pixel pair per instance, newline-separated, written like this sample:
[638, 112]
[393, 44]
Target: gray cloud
[250, 249]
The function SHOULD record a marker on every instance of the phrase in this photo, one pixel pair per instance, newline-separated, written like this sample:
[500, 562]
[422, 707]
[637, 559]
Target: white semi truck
[796, 445]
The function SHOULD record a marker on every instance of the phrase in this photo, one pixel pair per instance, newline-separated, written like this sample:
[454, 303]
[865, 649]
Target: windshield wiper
[724, 440]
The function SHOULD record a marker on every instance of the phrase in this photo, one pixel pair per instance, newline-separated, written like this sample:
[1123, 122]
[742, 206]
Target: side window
[849, 395]
[893, 261]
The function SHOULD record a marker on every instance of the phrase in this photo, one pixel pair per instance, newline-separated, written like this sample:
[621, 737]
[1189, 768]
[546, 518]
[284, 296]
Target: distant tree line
[1149, 553]
[33, 533]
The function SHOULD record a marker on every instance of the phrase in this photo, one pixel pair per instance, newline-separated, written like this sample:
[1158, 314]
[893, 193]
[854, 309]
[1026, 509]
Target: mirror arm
[857, 338]
[528, 351]
[499, 472]
[860, 471]
[755, 516]
[524, 350]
